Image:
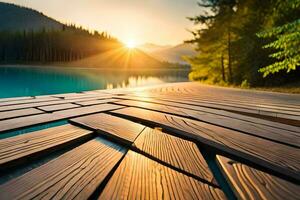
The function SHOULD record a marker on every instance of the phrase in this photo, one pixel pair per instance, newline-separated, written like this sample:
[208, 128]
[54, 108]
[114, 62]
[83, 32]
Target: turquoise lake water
[34, 80]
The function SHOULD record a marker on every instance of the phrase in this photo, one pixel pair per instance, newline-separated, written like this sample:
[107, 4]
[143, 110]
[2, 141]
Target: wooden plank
[26, 101]
[48, 103]
[281, 159]
[241, 109]
[185, 105]
[138, 177]
[58, 107]
[19, 113]
[270, 133]
[75, 174]
[12, 124]
[20, 148]
[292, 114]
[82, 95]
[179, 153]
[117, 128]
[94, 102]
[15, 99]
[235, 103]
[250, 183]
[200, 90]
[100, 95]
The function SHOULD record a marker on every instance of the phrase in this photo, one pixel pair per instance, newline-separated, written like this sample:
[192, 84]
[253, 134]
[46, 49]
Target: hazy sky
[155, 21]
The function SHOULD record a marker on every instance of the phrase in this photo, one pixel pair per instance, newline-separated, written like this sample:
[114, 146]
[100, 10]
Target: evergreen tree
[287, 44]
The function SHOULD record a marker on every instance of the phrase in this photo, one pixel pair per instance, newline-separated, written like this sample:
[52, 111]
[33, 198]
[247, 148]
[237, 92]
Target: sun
[130, 44]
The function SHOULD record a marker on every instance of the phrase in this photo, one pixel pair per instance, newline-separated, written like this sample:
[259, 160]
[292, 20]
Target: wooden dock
[172, 141]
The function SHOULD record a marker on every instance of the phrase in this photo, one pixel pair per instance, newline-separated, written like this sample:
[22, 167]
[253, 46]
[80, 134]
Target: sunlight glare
[130, 44]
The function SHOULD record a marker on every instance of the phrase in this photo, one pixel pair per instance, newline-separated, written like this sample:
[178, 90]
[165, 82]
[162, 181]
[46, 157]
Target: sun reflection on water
[136, 81]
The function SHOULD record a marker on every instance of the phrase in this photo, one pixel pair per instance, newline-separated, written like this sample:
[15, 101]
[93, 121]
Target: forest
[53, 45]
[247, 43]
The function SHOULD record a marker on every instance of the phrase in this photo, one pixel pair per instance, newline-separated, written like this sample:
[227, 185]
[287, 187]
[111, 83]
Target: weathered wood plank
[74, 175]
[82, 95]
[15, 99]
[26, 101]
[241, 109]
[19, 113]
[94, 102]
[117, 128]
[179, 95]
[250, 183]
[48, 103]
[100, 95]
[16, 123]
[270, 133]
[230, 93]
[18, 149]
[232, 102]
[281, 159]
[186, 105]
[174, 151]
[138, 177]
[58, 107]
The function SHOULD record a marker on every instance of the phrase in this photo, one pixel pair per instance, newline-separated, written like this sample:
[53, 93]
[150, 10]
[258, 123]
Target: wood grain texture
[212, 92]
[279, 158]
[19, 113]
[120, 129]
[267, 132]
[264, 104]
[15, 99]
[240, 109]
[16, 123]
[250, 183]
[58, 107]
[48, 103]
[177, 152]
[21, 147]
[186, 105]
[25, 101]
[138, 177]
[74, 175]
[82, 95]
[94, 102]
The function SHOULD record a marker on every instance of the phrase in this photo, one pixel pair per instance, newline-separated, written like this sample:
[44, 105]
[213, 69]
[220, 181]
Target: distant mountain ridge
[150, 47]
[125, 59]
[172, 54]
[17, 18]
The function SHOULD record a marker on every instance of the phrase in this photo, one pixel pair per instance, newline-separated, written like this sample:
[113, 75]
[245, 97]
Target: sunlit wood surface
[170, 141]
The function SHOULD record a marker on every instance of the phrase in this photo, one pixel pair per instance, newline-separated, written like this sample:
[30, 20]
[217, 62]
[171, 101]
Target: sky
[161, 22]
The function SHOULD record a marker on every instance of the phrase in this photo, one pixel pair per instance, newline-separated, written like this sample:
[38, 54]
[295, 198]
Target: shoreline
[59, 65]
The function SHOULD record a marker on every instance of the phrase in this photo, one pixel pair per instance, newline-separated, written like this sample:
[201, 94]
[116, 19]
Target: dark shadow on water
[210, 158]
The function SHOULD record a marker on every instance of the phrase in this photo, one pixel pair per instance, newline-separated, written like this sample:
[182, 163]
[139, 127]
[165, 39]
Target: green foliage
[288, 43]
[245, 84]
[229, 49]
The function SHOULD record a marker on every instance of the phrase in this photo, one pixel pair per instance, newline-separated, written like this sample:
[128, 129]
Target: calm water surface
[31, 80]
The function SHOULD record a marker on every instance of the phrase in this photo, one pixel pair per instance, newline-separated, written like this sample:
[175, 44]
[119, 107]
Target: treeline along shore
[61, 45]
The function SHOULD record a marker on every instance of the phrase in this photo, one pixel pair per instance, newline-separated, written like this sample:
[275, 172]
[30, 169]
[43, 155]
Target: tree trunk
[229, 54]
[222, 66]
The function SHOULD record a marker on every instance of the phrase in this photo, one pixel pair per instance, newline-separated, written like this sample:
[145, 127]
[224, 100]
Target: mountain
[17, 18]
[124, 58]
[168, 53]
[174, 54]
[149, 47]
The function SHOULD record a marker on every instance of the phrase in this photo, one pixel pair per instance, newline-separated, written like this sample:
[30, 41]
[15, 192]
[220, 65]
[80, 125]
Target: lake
[40, 80]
